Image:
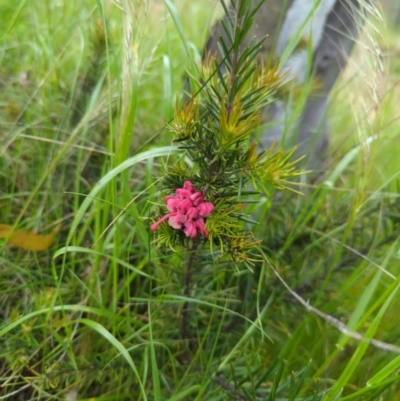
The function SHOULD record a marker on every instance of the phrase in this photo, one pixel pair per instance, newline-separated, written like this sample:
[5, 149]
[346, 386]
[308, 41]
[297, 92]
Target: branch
[333, 321]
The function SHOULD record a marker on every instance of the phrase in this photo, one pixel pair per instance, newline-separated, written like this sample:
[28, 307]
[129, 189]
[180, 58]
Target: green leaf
[385, 372]
[73, 308]
[158, 152]
[360, 351]
[184, 393]
[116, 344]
[79, 249]
[154, 367]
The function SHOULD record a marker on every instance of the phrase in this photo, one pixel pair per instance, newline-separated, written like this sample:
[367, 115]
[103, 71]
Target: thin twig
[333, 321]
[356, 254]
[186, 293]
[4, 397]
[232, 390]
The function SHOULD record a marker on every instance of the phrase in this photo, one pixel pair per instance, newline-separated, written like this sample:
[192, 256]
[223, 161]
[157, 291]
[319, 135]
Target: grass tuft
[86, 91]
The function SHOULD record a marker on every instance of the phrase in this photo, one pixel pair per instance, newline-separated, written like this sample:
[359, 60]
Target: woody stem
[186, 292]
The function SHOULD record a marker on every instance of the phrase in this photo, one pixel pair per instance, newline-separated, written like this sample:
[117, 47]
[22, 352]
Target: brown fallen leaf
[25, 239]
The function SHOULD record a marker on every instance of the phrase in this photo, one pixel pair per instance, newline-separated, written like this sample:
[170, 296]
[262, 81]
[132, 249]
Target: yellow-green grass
[86, 89]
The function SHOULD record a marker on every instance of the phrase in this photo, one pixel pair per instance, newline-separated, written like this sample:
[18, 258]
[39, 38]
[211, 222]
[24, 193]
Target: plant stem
[186, 293]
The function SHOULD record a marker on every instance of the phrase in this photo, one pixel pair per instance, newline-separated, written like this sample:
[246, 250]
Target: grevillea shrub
[220, 167]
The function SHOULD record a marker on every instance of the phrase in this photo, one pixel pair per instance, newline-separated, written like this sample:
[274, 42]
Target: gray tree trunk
[327, 28]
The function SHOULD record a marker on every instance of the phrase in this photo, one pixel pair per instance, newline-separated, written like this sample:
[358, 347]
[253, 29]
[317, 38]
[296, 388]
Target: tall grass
[86, 89]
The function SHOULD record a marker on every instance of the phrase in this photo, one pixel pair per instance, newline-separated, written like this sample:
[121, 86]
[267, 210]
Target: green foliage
[216, 130]
[97, 316]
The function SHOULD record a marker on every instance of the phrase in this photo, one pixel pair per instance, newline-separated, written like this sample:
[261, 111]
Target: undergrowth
[86, 90]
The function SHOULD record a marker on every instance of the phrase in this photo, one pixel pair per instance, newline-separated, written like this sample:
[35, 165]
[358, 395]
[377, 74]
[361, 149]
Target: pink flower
[191, 214]
[201, 227]
[205, 209]
[190, 229]
[185, 206]
[197, 198]
[172, 203]
[183, 193]
[154, 226]
[188, 185]
[187, 211]
[177, 220]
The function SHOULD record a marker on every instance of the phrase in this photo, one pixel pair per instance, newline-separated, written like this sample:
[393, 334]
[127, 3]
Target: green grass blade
[158, 152]
[15, 17]
[360, 351]
[363, 303]
[385, 372]
[178, 24]
[184, 393]
[154, 367]
[73, 308]
[113, 341]
[79, 249]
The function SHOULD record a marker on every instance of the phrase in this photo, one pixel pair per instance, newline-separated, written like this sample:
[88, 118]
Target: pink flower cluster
[187, 211]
